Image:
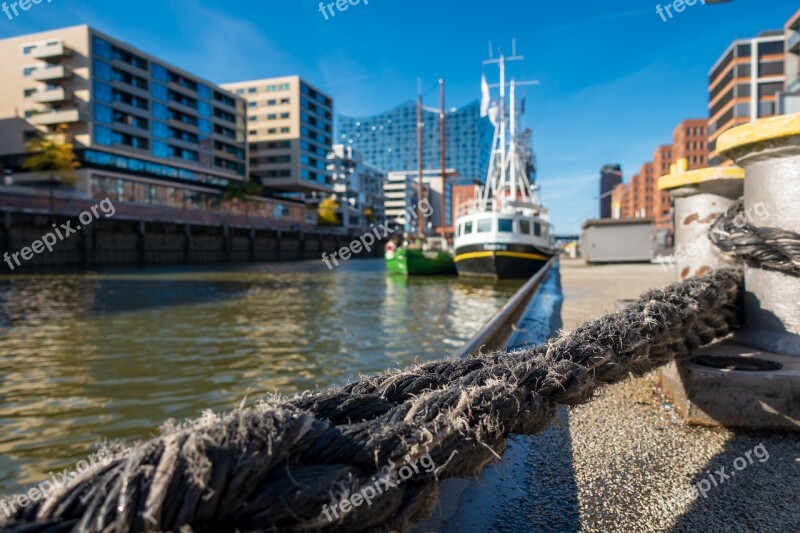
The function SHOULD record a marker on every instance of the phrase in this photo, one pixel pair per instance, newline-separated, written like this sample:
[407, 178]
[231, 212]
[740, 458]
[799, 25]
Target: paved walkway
[625, 462]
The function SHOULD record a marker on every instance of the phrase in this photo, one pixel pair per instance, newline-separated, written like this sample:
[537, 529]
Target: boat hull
[419, 263]
[500, 261]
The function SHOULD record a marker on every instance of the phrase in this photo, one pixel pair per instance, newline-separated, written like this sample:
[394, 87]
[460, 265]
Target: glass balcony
[52, 118]
[52, 96]
[793, 42]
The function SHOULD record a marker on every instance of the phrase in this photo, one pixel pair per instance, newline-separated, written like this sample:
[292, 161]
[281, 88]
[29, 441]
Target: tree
[327, 212]
[53, 155]
[242, 192]
[369, 214]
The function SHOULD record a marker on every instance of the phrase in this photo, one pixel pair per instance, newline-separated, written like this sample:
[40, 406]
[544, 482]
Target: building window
[27, 93]
[103, 135]
[27, 71]
[160, 92]
[160, 149]
[101, 48]
[103, 114]
[160, 73]
[102, 92]
[160, 111]
[160, 130]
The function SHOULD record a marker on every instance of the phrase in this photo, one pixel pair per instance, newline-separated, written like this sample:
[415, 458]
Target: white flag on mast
[486, 97]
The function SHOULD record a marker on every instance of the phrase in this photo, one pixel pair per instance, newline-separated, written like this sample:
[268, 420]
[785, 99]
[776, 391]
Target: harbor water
[88, 358]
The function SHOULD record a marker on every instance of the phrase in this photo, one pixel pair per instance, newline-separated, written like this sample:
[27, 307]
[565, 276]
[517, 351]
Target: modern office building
[289, 132]
[358, 188]
[743, 84]
[610, 178]
[144, 131]
[388, 140]
[789, 100]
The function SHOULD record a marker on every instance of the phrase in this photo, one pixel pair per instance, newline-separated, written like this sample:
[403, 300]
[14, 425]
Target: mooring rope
[274, 466]
[767, 248]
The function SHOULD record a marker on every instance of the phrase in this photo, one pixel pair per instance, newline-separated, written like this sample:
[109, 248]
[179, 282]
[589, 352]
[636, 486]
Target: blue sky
[616, 79]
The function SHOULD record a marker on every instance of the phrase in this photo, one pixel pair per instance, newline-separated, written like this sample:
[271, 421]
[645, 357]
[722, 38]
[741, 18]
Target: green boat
[414, 261]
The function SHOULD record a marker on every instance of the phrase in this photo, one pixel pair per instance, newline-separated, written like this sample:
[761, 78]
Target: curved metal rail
[496, 333]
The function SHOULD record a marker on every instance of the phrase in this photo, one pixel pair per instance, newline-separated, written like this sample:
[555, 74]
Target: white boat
[505, 232]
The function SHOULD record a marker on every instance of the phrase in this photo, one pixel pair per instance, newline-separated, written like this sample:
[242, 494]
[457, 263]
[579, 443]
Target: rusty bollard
[700, 196]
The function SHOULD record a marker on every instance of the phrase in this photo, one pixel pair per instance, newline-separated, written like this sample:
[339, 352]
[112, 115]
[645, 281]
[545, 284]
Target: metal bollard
[769, 151]
[700, 196]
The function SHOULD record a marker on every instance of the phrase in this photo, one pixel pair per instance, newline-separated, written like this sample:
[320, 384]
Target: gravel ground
[634, 462]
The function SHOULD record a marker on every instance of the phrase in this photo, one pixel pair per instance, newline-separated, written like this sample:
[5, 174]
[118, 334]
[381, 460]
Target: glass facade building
[132, 116]
[388, 140]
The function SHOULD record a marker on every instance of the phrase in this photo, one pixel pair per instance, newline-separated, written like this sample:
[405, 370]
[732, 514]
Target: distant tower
[610, 177]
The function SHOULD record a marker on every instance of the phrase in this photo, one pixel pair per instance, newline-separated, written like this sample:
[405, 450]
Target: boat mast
[513, 145]
[442, 158]
[420, 186]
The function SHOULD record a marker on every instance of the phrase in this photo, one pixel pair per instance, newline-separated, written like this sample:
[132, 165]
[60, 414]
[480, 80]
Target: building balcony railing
[53, 118]
[51, 96]
[50, 51]
[793, 86]
[793, 42]
[50, 73]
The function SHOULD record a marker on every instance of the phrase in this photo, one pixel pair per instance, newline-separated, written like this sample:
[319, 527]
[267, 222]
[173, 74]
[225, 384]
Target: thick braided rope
[767, 248]
[274, 466]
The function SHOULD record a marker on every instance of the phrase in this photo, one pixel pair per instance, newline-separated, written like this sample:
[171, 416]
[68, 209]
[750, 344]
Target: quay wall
[142, 236]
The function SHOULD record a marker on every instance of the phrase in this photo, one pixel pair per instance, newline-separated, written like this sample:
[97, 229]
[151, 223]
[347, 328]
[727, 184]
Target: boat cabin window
[537, 229]
[525, 227]
[546, 231]
[485, 225]
[505, 225]
[467, 227]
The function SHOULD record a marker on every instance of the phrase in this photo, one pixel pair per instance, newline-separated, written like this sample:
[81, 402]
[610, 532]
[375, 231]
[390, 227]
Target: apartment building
[358, 188]
[145, 131]
[789, 101]
[401, 197]
[641, 198]
[690, 142]
[743, 85]
[289, 132]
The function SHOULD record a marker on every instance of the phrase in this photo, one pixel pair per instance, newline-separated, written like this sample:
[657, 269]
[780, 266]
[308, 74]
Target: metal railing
[496, 333]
